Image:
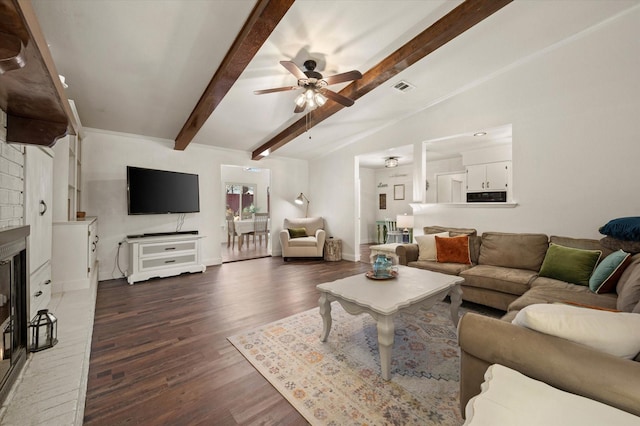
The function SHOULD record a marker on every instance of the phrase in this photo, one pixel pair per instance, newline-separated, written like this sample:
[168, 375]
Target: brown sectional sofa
[504, 275]
[504, 270]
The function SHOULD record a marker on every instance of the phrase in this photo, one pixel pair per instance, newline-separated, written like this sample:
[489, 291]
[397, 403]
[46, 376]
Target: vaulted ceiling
[140, 67]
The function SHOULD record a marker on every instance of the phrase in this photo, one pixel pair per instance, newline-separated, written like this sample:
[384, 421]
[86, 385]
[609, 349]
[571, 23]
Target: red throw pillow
[453, 249]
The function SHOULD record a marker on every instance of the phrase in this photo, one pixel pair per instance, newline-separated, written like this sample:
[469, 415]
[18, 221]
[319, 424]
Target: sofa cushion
[608, 272]
[303, 242]
[444, 268]
[311, 224]
[580, 243]
[427, 245]
[548, 290]
[624, 228]
[628, 287]
[453, 249]
[616, 244]
[474, 240]
[616, 333]
[297, 232]
[519, 251]
[569, 264]
[506, 280]
[454, 232]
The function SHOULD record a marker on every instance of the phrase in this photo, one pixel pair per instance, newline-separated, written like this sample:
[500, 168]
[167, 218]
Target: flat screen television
[151, 191]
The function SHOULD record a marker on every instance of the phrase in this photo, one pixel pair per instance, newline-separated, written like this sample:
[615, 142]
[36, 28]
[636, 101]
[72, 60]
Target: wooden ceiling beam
[256, 30]
[456, 22]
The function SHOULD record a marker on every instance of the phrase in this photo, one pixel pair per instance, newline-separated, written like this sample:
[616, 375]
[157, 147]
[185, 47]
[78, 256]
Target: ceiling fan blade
[337, 97]
[293, 69]
[277, 89]
[345, 76]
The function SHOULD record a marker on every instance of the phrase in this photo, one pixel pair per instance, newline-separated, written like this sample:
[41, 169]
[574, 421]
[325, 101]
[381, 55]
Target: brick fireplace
[13, 305]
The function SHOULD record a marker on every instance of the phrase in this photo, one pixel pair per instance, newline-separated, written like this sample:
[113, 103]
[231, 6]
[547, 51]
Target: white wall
[575, 114]
[106, 157]
[401, 175]
[368, 203]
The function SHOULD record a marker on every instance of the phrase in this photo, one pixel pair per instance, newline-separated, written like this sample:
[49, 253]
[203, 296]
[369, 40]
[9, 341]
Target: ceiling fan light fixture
[320, 98]
[301, 99]
[311, 103]
[391, 162]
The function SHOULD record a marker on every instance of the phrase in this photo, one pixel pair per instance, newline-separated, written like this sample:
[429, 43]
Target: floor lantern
[44, 331]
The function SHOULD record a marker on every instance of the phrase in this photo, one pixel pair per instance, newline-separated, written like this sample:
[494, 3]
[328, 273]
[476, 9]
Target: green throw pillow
[297, 232]
[569, 264]
[608, 272]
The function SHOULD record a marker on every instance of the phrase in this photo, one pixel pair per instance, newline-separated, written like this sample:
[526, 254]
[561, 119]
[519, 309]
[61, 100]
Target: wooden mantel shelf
[38, 111]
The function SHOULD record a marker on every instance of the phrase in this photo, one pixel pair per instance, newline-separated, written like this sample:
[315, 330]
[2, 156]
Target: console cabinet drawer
[150, 250]
[168, 261]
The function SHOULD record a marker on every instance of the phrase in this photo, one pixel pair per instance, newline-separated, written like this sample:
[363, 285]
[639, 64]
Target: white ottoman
[388, 250]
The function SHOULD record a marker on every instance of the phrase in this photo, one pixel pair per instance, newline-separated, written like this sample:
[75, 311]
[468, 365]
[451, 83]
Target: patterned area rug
[338, 382]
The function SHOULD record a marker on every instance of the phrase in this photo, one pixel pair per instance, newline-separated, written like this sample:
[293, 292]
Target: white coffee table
[412, 290]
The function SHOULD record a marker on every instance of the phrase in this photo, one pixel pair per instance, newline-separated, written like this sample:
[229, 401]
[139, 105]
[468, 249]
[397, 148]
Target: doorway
[247, 203]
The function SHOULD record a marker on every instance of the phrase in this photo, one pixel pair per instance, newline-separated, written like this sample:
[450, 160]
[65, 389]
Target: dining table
[244, 227]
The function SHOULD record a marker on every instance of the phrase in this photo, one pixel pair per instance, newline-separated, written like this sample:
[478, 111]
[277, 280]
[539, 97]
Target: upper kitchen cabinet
[38, 111]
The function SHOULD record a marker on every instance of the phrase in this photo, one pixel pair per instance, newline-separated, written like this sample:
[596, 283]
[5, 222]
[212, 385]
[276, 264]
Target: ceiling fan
[315, 85]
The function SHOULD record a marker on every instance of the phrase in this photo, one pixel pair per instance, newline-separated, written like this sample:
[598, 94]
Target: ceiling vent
[404, 86]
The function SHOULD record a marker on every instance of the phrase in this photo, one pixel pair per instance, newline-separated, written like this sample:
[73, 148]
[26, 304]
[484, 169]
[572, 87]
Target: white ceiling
[140, 66]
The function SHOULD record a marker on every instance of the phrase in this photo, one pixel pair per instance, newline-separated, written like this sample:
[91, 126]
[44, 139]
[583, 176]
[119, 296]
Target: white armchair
[311, 244]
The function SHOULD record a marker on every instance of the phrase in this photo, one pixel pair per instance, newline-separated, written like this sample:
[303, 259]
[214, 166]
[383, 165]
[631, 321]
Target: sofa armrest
[407, 253]
[321, 235]
[563, 364]
[284, 237]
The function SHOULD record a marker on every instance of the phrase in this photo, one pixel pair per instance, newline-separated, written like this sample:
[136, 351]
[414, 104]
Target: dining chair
[231, 232]
[260, 228]
[393, 234]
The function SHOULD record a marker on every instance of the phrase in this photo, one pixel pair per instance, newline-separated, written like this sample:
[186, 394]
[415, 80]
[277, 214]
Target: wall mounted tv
[151, 191]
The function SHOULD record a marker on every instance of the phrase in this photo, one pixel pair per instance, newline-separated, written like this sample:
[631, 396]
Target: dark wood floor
[160, 353]
[249, 251]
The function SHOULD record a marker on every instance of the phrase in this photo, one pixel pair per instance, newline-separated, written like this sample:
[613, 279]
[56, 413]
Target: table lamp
[404, 221]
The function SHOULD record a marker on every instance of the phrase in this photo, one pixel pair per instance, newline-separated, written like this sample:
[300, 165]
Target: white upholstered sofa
[310, 244]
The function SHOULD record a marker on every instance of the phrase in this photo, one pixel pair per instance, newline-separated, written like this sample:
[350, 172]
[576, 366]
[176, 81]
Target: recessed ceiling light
[480, 134]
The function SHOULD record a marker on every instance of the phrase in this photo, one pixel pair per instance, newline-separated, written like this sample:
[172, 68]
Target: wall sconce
[404, 221]
[300, 200]
[44, 331]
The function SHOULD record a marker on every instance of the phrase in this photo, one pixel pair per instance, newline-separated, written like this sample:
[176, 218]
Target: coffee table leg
[456, 300]
[385, 344]
[325, 312]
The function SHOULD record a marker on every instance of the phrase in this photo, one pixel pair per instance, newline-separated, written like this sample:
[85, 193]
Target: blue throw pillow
[624, 228]
[608, 272]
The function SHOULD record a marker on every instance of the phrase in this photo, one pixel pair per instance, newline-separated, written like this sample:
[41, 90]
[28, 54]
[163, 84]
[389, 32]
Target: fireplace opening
[13, 305]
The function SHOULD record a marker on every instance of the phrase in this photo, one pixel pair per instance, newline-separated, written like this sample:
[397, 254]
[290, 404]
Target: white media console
[163, 256]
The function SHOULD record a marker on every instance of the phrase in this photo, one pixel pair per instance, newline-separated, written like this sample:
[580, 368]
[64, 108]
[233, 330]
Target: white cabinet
[39, 289]
[163, 256]
[37, 204]
[75, 251]
[488, 177]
